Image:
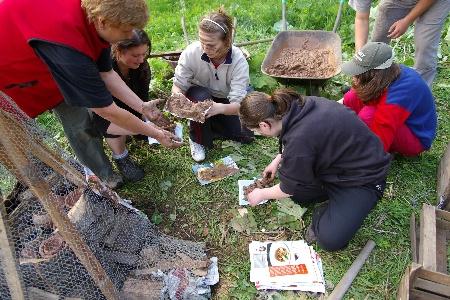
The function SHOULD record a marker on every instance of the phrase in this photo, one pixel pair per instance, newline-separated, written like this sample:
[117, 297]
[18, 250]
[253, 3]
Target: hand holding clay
[150, 109]
[270, 171]
[398, 29]
[216, 109]
[255, 197]
[169, 140]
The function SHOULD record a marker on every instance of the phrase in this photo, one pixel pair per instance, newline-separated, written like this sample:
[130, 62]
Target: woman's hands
[271, 170]
[168, 139]
[256, 196]
[216, 109]
[150, 109]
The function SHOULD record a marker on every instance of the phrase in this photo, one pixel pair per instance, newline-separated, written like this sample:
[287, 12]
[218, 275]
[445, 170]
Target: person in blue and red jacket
[392, 99]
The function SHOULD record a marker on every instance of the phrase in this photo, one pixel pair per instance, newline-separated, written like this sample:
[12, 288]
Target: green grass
[171, 196]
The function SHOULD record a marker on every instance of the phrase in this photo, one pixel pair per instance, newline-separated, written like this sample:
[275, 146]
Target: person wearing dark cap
[392, 99]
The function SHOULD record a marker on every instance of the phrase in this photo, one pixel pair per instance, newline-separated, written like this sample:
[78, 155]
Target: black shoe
[310, 236]
[345, 89]
[115, 181]
[129, 170]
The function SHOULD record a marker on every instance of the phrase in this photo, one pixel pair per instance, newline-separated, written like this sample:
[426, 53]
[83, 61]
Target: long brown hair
[370, 85]
[225, 21]
[139, 38]
[259, 107]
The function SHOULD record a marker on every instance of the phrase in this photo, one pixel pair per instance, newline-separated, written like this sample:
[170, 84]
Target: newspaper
[242, 198]
[286, 265]
[178, 133]
[218, 170]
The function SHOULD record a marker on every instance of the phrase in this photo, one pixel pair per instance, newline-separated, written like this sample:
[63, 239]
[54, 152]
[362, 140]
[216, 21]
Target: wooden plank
[413, 238]
[443, 177]
[41, 189]
[421, 295]
[441, 251]
[407, 281]
[443, 214]
[427, 247]
[8, 259]
[38, 294]
[442, 225]
[433, 287]
[434, 276]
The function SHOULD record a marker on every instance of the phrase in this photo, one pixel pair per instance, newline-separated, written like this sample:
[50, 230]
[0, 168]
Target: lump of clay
[164, 123]
[217, 172]
[181, 107]
[260, 184]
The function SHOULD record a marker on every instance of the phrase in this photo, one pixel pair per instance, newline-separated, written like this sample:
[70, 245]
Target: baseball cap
[374, 55]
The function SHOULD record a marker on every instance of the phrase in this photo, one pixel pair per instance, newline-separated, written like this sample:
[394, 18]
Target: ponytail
[258, 107]
[220, 22]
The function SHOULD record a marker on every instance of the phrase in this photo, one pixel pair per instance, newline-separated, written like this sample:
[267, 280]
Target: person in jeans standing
[59, 58]
[392, 21]
[326, 153]
[214, 69]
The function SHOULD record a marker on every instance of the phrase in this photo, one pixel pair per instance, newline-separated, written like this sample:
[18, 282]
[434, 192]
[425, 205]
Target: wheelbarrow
[308, 40]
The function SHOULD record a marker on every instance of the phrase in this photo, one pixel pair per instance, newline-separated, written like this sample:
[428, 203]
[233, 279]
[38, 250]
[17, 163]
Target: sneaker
[115, 181]
[197, 151]
[129, 170]
[310, 236]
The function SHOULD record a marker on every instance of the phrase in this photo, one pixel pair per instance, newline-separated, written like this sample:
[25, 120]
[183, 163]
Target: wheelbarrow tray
[304, 40]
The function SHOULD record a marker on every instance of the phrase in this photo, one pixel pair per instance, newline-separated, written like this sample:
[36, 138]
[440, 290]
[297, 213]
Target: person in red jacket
[58, 57]
[393, 100]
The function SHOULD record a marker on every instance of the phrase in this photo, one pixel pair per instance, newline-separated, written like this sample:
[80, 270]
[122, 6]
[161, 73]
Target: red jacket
[23, 75]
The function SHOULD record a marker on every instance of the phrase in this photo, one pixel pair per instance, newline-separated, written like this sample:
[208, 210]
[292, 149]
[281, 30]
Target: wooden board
[443, 177]
[427, 247]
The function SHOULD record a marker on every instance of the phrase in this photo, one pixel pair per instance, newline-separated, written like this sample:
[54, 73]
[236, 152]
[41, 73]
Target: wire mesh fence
[64, 238]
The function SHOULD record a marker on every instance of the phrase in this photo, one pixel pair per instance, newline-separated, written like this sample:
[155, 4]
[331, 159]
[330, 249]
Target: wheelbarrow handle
[338, 16]
[283, 14]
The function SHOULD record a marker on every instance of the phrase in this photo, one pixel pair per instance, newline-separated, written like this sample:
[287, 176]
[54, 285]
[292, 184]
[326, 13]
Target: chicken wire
[72, 239]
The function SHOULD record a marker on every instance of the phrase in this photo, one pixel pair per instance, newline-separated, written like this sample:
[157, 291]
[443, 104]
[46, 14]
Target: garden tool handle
[338, 16]
[283, 14]
[343, 285]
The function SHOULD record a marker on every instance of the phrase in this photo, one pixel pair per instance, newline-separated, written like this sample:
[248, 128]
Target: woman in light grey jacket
[213, 68]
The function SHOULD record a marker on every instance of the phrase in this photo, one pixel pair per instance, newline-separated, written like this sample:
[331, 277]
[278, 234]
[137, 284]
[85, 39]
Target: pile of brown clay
[217, 172]
[294, 62]
[258, 184]
[180, 106]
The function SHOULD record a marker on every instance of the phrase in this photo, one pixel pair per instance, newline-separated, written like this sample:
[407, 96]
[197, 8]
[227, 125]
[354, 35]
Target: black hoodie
[326, 143]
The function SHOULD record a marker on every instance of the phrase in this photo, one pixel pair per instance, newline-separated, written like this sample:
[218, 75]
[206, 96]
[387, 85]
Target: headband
[214, 22]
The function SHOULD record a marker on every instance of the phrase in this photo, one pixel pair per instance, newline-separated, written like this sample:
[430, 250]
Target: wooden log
[136, 289]
[8, 259]
[427, 247]
[443, 184]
